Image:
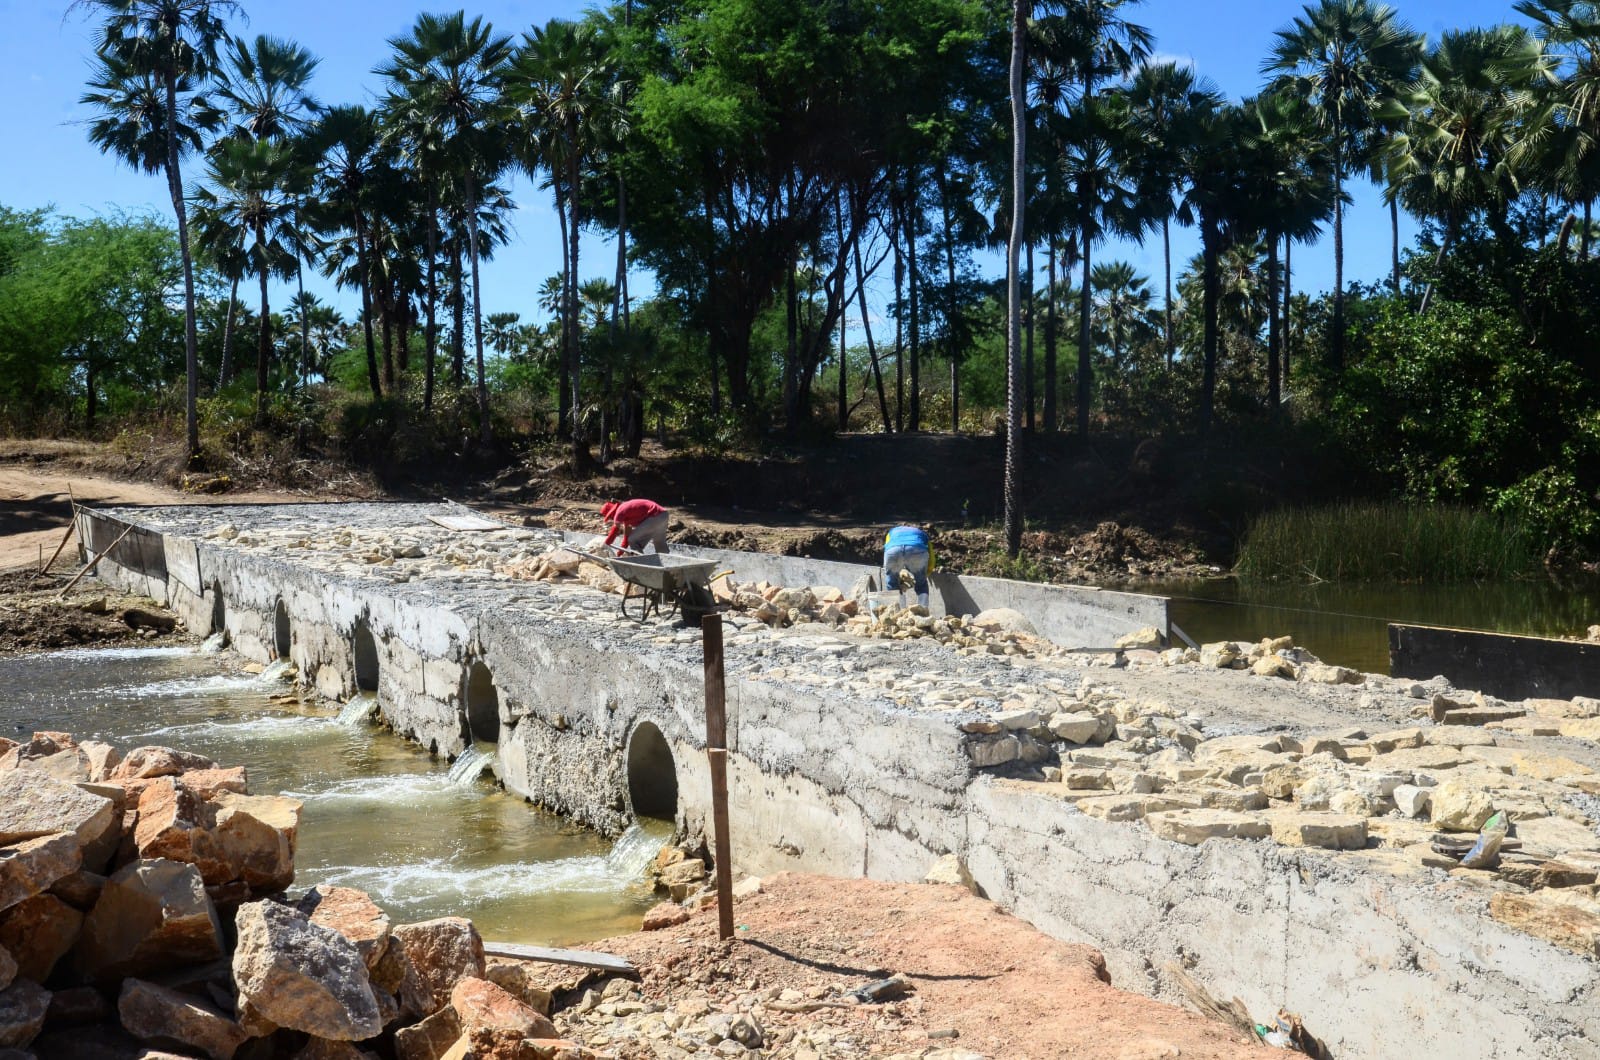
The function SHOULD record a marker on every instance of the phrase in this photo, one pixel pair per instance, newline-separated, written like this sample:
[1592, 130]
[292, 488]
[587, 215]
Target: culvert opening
[652, 775]
[219, 610]
[280, 631]
[366, 659]
[483, 705]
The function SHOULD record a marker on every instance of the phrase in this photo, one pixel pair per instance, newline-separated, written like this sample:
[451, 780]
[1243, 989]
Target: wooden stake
[71, 526]
[96, 561]
[717, 755]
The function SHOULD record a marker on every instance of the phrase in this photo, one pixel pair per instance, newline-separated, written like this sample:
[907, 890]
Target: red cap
[608, 509]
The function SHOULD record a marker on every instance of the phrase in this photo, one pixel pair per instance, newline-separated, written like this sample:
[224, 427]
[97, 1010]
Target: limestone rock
[1352, 804]
[430, 1039]
[35, 864]
[1568, 919]
[38, 932]
[481, 1004]
[154, 761]
[256, 837]
[177, 824]
[522, 981]
[1196, 826]
[352, 914]
[32, 804]
[206, 783]
[1017, 720]
[167, 1017]
[302, 976]
[1083, 728]
[950, 869]
[1220, 655]
[1582, 728]
[1002, 620]
[1333, 831]
[1458, 806]
[152, 915]
[1412, 800]
[994, 751]
[443, 952]
[664, 915]
[1273, 665]
[8, 968]
[23, 1006]
[1145, 638]
[1325, 674]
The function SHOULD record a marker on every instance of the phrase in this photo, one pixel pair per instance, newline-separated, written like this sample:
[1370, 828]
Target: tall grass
[1393, 541]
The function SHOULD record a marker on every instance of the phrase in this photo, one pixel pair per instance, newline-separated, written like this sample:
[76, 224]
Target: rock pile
[144, 908]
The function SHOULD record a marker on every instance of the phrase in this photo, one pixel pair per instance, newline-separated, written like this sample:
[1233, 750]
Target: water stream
[423, 838]
[1348, 623]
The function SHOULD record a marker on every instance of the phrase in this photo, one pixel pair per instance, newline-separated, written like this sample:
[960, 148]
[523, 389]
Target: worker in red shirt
[640, 522]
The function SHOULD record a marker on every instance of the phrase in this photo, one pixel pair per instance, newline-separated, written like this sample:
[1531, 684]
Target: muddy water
[379, 814]
[1348, 624]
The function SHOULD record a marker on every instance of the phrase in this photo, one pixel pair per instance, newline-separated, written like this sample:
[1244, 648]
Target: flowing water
[423, 838]
[1348, 623]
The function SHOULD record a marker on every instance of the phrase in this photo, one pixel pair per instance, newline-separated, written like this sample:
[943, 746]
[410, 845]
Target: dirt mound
[33, 618]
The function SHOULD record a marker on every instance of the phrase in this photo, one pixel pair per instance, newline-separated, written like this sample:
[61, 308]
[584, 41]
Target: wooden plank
[1497, 664]
[603, 962]
[465, 522]
[717, 756]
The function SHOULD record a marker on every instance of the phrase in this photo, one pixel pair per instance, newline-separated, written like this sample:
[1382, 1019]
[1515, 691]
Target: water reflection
[379, 815]
[1347, 623]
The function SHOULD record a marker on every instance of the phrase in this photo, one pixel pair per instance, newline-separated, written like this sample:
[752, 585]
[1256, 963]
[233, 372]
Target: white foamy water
[291, 727]
[635, 849]
[466, 770]
[401, 790]
[109, 654]
[359, 710]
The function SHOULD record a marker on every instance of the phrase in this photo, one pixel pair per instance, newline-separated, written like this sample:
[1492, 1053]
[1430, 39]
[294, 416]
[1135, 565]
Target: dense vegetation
[764, 159]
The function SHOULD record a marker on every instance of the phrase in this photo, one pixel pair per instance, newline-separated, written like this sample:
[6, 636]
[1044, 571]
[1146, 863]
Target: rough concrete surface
[874, 757]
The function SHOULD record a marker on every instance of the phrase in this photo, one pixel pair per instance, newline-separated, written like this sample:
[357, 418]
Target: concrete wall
[1499, 664]
[1377, 965]
[1070, 615]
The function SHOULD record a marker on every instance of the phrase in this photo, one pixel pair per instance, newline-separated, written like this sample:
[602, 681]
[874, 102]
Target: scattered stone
[351, 913]
[1332, 831]
[950, 869]
[664, 915]
[38, 932]
[154, 761]
[301, 976]
[23, 1006]
[481, 1004]
[1145, 638]
[522, 981]
[166, 1017]
[33, 865]
[33, 804]
[1002, 620]
[255, 838]
[1412, 801]
[429, 1039]
[1457, 806]
[1324, 674]
[443, 952]
[152, 915]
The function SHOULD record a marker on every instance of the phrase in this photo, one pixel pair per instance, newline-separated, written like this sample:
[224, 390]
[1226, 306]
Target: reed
[1388, 541]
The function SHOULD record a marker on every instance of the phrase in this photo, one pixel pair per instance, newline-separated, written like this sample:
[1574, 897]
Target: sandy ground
[984, 982]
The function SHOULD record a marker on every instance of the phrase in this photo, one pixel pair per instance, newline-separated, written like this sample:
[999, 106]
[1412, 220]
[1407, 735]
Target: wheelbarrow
[680, 583]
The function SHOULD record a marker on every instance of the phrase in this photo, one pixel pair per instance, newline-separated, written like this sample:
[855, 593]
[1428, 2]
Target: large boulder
[481, 1004]
[206, 783]
[8, 968]
[34, 865]
[161, 1016]
[428, 1039]
[302, 976]
[352, 914]
[38, 932]
[178, 824]
[23, 1005]
[1459, 806]
[152, 915]
[255, 838]
[443, 952]
[1002, 620]
[32, 804]
[142, 763]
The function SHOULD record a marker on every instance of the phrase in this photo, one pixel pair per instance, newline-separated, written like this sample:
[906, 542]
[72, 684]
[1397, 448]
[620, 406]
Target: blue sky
[43, 59]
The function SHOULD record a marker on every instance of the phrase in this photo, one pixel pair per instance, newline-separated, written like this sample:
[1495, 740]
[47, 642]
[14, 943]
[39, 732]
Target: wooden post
[717, 754]
[44, 567]
[76, 578]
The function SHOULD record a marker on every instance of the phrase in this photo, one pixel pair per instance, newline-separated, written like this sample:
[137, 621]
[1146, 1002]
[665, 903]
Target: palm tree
[1121, 298]
[1571, 32]
[504, 334]
[448, 72]
[246, 209]
[1160, 98]
[1346, 56]
[1019, 157]
[1454, 158]
[345, 142]
[561, 80]
[152, 58]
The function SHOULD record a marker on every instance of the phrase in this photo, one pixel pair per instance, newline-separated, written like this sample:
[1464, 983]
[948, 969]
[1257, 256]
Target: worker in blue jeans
[906, 548]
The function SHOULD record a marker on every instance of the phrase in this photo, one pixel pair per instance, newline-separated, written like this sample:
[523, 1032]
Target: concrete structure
[596, 719]
[1074, 616]
[1498, 664]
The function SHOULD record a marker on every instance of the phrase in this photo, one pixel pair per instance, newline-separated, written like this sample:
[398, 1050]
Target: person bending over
[906, 548]
[638, 521]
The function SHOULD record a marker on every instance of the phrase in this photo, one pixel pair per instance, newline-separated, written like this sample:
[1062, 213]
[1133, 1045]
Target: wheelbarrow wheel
[649, 600]
[697, 602]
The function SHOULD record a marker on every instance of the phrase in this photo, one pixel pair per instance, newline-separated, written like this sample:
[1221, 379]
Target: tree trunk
[580, 444]
[791, 353]
[366, 307]
[264, 342]
[1085, 365]
[191, 356]
[1583, 240]
[950, 308]
[1166, 308]
[485, 435]
[915, 284]
[899, 323]
[305, 324]
[1274, 366]
[1019, 107]
[1027, 347]
[430, 338]
[1212, 285]
[458, 317]
[1336, 340]
[866, 326]
[226, 370]
[1394, 241]
[1050, 381]
[90, 403]
[1288, 303]
[844, 307]
[1438, 262]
